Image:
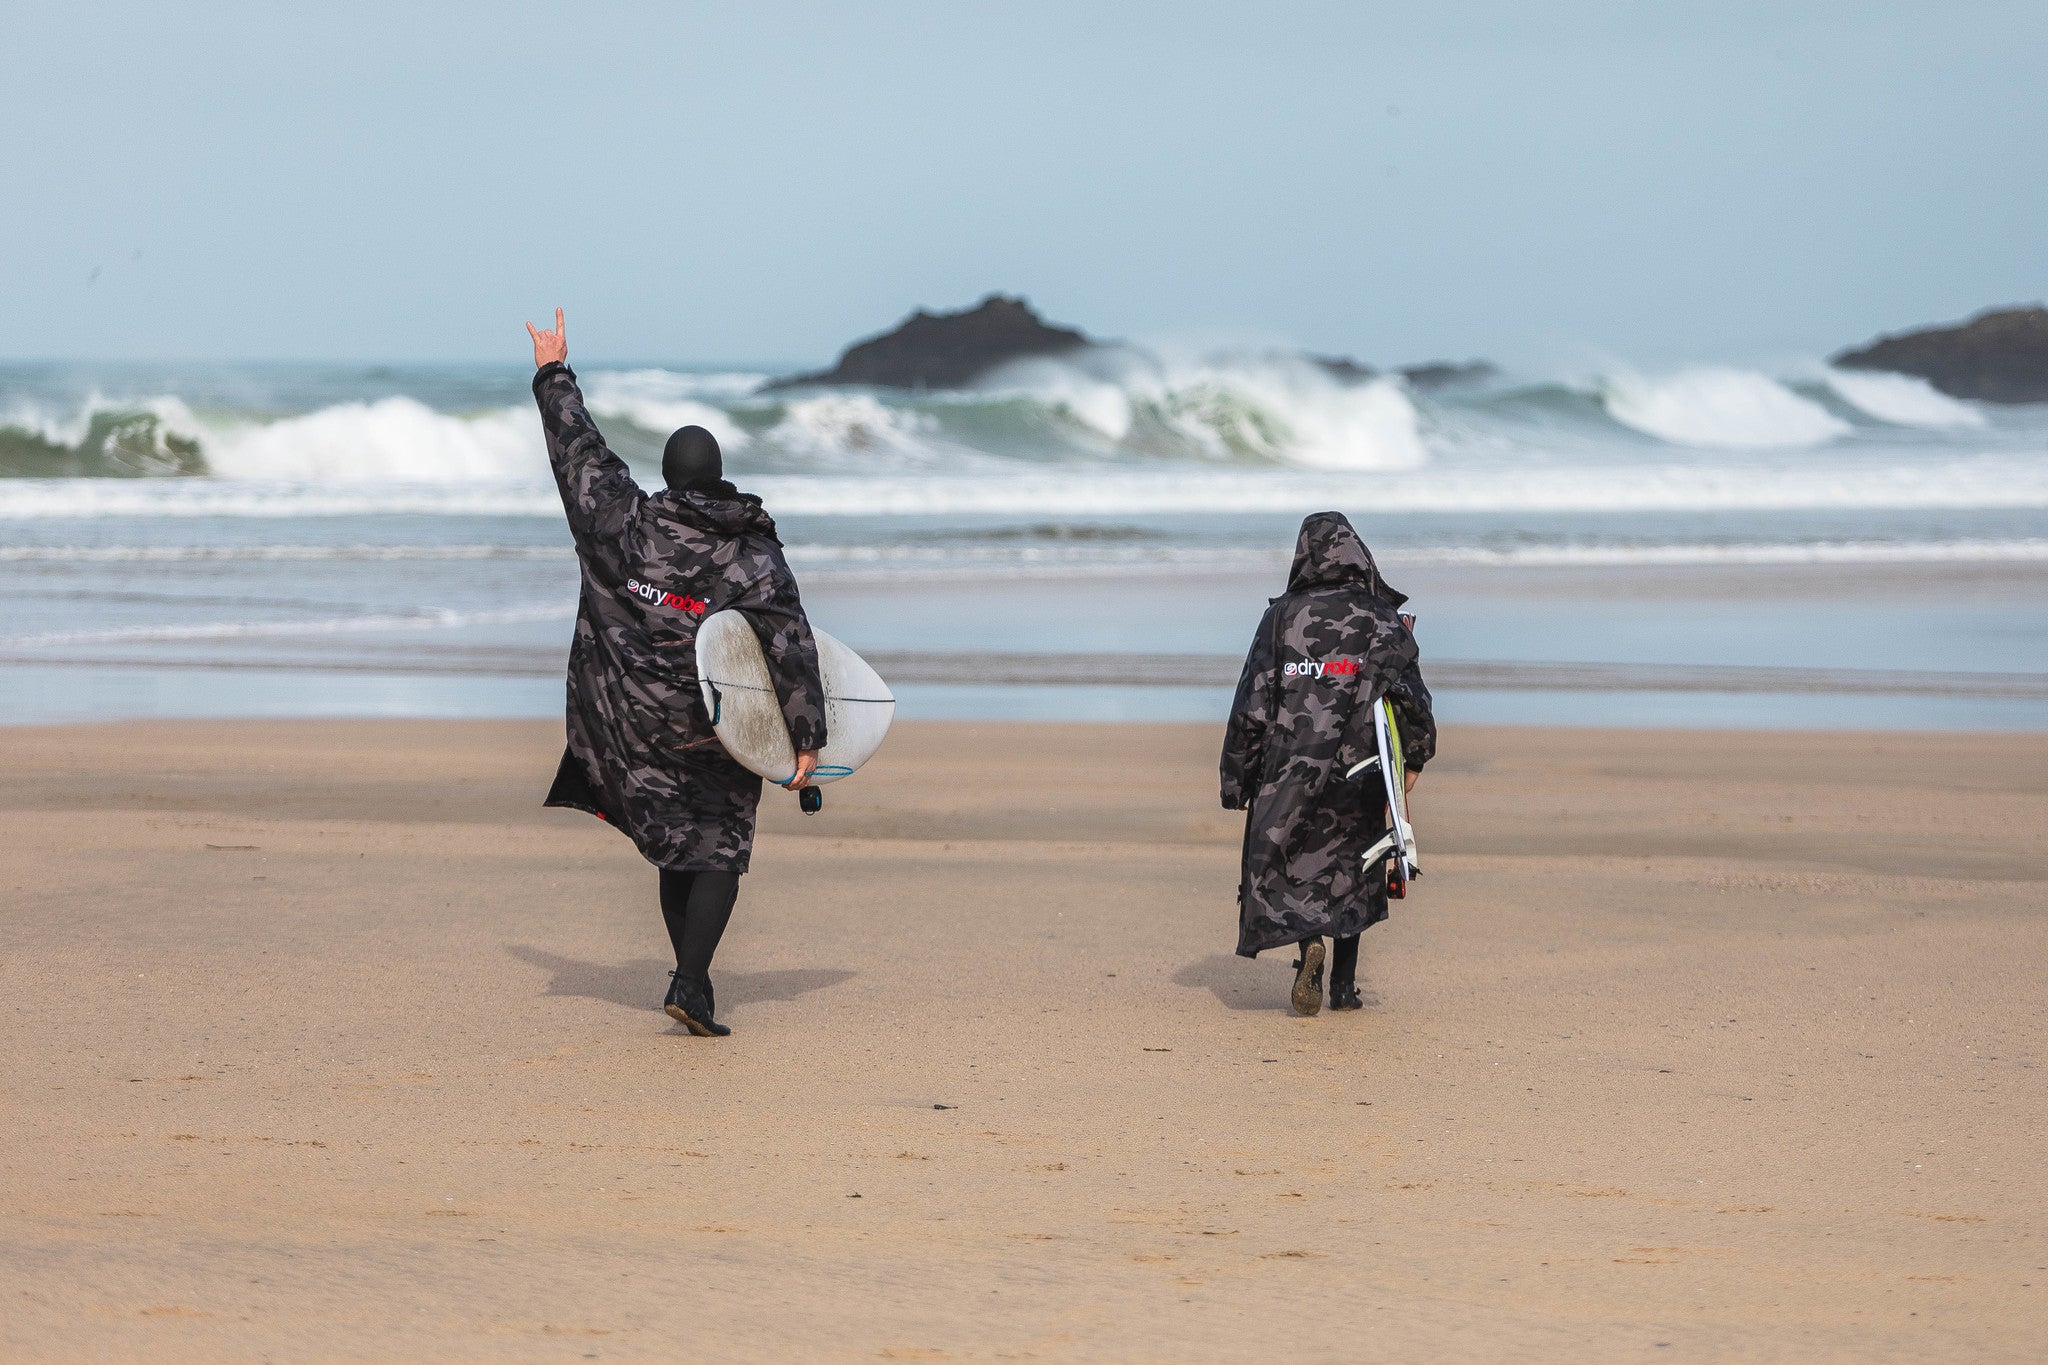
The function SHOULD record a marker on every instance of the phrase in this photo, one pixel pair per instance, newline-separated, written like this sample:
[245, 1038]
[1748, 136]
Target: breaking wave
[393, 440]
[659, 401]
[1200, 433]
[1278, 410]
[1717, 408]
[834, 427]
[1904, 400]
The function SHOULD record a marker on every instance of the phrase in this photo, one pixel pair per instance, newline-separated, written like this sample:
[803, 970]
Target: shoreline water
[1950, 645]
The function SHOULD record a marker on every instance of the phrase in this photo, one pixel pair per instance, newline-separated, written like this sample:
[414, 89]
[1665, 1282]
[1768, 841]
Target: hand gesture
[806, 764]
[550, 348]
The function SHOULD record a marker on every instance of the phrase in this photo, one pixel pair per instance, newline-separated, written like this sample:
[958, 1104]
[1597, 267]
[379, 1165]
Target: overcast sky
[1658, 179]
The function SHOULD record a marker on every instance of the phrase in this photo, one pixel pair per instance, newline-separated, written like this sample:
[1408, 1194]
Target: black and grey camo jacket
[641, 753]
[1324, 652]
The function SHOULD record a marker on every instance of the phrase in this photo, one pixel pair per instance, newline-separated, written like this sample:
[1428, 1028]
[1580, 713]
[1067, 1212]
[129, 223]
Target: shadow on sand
[1252, 983]
[639, 984]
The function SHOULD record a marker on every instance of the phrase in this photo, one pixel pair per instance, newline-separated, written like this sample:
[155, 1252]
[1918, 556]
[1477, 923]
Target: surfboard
[740, 697]
[1397, 846]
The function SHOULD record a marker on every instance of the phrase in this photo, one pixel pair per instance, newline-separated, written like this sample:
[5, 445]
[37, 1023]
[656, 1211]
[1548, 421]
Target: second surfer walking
[1325, 652]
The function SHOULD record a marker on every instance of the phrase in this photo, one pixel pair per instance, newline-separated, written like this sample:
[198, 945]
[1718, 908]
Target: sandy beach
[327, 1043]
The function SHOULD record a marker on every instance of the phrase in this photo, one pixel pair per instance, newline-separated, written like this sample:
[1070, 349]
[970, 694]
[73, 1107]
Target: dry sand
[325, 1042]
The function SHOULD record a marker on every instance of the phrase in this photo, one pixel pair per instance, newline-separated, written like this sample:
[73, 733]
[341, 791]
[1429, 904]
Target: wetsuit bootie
[690, 1005]
[1308, 978]
[1344, 996]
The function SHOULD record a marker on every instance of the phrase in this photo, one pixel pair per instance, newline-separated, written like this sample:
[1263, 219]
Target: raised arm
[1251, 714]
[598, 491]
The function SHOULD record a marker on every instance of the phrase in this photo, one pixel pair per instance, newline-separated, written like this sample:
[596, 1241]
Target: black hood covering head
[692, 460]
[1329, 553]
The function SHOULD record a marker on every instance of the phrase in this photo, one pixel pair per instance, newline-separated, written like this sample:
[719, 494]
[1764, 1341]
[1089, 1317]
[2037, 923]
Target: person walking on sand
[641, 753]
[1326, 651]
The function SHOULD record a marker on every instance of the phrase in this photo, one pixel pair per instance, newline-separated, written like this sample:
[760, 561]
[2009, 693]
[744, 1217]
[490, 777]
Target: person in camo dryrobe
[1326, 651]
[641, 751]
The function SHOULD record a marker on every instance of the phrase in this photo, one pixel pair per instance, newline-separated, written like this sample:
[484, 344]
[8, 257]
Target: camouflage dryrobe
[1324, 653]
[641, 751]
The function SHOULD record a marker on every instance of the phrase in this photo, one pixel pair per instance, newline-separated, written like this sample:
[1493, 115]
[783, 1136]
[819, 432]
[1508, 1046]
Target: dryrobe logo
[647, 592]
[1322, 668]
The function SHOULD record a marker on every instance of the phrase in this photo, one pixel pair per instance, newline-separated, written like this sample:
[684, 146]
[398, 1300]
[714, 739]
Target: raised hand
[550, 348]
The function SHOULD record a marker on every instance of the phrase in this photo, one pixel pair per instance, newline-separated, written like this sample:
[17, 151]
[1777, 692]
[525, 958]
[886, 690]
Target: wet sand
[325, 1042]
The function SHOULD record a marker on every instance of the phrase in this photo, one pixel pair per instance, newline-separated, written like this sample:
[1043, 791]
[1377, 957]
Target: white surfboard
[745, 712]
[1397, 846]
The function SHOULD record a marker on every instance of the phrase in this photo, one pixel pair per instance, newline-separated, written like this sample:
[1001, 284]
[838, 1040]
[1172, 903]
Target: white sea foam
[440, 619]
[144, 426]
[1272, 408]
[715, 385]
[1099, 407]
[257, 554]
[1719, 408]
[839, 428]
[391, 440]
[1981, 482]
[1811, 552]
[1904, 400]
[1293, 418]
[884, 563]
[84, 499]
[659, 401]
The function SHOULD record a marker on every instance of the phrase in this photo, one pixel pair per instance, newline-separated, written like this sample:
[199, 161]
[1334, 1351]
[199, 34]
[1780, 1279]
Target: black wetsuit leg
[696, 907]
[1344, 962]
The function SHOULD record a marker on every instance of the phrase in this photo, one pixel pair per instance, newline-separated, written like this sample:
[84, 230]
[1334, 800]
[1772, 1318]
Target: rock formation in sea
[1999, 356]
[1449, 374]
[947, 350]
[1343, 368]
[1434, 374]
[952, 350]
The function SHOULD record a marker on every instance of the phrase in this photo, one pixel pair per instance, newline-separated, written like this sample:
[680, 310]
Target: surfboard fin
[1364, 767]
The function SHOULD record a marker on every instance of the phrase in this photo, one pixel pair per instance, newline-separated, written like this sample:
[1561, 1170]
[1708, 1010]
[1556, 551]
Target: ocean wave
[1718, 408]
[395, 439]
[715, 386]
[2010, 551]
[1904, 400]
[1270, 409]
[1983, 482]
[257, 554]
[87, 498]
[659, 401]
[1122, 411]
[856, 563]
[857, 428]
[391, 440]
[101, 437]
[327, 625]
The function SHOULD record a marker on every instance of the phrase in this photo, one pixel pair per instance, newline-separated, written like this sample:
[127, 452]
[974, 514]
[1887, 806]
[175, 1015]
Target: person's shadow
[639, 984]
[1249, 983]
